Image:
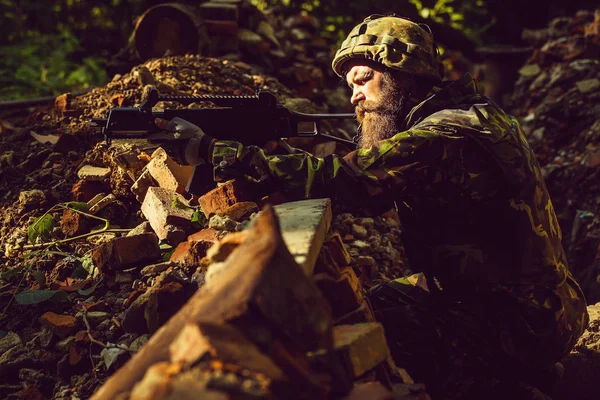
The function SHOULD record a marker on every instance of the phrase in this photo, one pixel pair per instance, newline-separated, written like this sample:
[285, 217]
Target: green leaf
[37, 296]
[90, 290]
[41, 228]
[199, 219]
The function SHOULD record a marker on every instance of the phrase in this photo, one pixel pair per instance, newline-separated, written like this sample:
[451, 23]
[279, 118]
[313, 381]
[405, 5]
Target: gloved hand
[183, 141]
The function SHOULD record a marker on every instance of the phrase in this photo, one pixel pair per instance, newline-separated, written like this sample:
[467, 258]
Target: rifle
[233, 118]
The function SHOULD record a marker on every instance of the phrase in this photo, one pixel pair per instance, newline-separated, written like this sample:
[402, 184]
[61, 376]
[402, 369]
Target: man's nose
[357, 95]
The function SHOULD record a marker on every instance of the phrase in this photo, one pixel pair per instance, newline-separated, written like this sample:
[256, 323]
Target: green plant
[45, 65]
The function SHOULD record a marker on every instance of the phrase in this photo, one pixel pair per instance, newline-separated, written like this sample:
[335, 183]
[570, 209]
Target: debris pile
[101, 246]
[287, 47]
[557, 99]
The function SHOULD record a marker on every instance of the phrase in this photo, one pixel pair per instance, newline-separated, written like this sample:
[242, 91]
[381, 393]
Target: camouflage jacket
[474, 208]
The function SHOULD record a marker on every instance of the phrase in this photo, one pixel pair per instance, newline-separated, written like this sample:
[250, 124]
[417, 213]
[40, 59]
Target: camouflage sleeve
[400, 166]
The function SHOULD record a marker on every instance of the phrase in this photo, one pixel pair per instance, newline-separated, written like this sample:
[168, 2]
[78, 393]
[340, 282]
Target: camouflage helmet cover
[395, 42]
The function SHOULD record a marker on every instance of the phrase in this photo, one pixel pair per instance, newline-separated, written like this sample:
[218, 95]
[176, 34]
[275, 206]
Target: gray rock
[9, 341]
[31, 198]
[155, 269]
[97, 317]
[222, 223]
[139, 342]
[144, 227]
[359, 231]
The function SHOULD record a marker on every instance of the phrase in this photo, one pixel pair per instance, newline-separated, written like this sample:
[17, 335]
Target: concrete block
[304, 225]
[93, 174]
[167, 173]
[171, 224]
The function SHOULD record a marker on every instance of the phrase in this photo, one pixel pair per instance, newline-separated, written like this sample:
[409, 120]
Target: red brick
[241, 211]
[191, 251]
[62, 325]
[218, 200]
[124, 252]
[222, 249]
[73, 223]
[85, 191]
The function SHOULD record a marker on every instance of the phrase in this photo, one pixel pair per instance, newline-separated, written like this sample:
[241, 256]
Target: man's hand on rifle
[183, 141]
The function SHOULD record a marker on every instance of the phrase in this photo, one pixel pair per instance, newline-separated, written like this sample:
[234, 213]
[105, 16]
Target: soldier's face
[378, 99]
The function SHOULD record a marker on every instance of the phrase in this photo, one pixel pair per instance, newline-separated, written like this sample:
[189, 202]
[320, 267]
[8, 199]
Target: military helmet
[395, 42]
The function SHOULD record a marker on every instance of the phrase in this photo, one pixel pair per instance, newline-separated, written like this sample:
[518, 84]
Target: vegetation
[49, 47]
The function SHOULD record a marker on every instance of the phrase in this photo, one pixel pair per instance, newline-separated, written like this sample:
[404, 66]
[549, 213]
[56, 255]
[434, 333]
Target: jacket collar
[449, 94]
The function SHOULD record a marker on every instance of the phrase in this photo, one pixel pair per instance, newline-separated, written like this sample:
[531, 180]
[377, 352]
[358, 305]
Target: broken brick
[223, 342]
[141, 185]
[167, 173]
[191, 251]
[73, 223]
[127, 251]
[61, 325]
[153, 308]
[263, 292]
[359, 347]
[344, 294]
[171, 224]
[240, 211]
[62, 105]
[85, 191]
[222, 249]
[218, 200]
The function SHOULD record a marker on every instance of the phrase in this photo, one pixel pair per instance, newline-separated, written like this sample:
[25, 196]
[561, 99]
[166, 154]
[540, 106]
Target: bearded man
[500, 306]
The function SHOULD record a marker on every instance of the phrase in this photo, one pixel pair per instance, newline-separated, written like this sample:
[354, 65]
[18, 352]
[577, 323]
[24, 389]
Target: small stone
[89, 173]
[359, 231]
[365, 262]
[588, 85]
[530, 70]
[222, 223]
[97, 317]
[123, 277]
[144, 227]
[155, 269]
[368, 223]
[31, 198]
[9, 341]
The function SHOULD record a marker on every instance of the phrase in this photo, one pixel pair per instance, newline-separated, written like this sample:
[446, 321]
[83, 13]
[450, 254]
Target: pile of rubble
[287, 47]
[557, 101]
[100, 248]
[296, 325]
